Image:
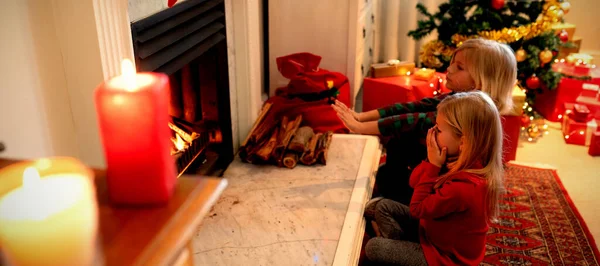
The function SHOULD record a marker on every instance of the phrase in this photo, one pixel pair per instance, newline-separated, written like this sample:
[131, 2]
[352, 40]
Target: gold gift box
[578, 59]
[563, 52]
[424, 74]
[570, 28]
[518, 97]
[390, 70]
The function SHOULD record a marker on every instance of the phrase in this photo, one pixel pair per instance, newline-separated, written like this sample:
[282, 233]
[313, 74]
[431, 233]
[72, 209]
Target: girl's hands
[348, 117]
[341, 106]
[435, 155]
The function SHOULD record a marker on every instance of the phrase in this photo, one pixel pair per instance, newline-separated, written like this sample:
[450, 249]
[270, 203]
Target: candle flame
[128, 73]
[30, 177]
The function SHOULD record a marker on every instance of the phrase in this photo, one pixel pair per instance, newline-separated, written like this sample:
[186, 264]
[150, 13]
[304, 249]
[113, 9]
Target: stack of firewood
[284, 142]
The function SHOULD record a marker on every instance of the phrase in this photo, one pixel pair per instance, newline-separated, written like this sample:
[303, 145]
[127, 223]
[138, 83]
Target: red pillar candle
[133, 118]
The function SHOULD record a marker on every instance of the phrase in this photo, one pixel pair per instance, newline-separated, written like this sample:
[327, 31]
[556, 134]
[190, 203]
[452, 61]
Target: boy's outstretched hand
[349, 117]
[435, 155]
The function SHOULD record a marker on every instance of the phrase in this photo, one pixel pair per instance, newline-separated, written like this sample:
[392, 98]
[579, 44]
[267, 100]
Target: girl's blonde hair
[473, 115]
[493, 67]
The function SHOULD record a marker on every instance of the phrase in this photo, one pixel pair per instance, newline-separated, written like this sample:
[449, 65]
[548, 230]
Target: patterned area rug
[539, 224]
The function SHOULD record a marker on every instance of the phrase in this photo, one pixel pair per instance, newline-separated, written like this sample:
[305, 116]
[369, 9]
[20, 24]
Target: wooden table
[309, 215]
[153, 235]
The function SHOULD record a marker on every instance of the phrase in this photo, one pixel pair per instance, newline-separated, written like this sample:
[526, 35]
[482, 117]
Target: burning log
[184, 135]
[176, 100]
[191, 99]
[179, 144]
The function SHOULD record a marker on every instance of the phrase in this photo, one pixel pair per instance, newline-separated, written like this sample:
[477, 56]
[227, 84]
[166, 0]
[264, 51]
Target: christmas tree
[525, 25]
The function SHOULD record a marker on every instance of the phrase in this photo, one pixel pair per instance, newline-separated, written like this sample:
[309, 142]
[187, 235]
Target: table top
[279, 216]
[151, 235]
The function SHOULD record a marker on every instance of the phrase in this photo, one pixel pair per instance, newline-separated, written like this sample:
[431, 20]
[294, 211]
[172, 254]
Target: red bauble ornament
[563, 36]
[497, 4]
[525, 120]
[533, 82]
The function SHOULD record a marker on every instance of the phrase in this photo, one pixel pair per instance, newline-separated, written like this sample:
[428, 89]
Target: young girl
[477, 64]
[450, 211]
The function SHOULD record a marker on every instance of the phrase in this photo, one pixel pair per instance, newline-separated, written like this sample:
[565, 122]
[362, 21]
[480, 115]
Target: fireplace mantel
[95, 36]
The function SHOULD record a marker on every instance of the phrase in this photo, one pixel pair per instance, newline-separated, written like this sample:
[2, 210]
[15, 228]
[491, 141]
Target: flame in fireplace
[179, 143]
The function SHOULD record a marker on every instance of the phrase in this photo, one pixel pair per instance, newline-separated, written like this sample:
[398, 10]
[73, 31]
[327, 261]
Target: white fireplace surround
[95, 35]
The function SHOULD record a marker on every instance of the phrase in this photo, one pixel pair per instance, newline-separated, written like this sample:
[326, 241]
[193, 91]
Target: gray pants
[400, 242]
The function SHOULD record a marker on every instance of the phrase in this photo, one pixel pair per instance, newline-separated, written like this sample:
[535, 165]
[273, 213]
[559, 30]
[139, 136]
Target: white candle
[49, 221]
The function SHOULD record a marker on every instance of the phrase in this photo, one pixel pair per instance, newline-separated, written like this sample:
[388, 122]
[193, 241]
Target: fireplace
[188, 43]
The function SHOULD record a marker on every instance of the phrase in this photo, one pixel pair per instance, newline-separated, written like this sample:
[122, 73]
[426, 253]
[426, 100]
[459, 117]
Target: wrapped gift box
[577, 70]
[511, 126]
[424, 73]
[568, 27]
[579, 133]
[550, 103]
[580, 112]
[592, 103]
[380, 92]
[589, 90]
[563, 52]
[392, 69]
[594, 149]
[577, 58]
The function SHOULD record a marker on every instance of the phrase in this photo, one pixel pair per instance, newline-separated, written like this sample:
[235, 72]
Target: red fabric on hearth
[306, 78]
[318, 114]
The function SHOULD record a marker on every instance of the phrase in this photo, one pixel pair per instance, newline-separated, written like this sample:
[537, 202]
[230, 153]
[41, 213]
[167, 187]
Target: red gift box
[593, 104]
[594, 149]
[511, 126]
[381, 92]
[580, 113]
[579, 133]
[589, 90]
[550, 103]
[577, 70]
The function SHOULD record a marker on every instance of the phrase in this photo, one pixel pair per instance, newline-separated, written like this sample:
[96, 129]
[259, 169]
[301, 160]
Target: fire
[179, 143]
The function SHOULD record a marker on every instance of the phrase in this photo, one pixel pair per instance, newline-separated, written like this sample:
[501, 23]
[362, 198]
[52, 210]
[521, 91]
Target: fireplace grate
[185, 159]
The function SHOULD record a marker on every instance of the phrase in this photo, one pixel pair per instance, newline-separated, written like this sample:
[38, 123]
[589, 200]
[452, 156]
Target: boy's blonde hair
[493, 67]
[473, 115]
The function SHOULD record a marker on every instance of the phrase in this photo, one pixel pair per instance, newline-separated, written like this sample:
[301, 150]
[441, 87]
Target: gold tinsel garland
[551, 14]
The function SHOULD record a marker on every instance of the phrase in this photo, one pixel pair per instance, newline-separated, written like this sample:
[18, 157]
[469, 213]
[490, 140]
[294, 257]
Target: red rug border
[572, 205]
